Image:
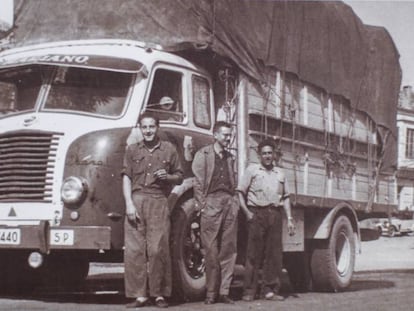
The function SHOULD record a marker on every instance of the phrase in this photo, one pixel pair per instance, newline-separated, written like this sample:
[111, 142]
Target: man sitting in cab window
[166, 109]
[167, 103]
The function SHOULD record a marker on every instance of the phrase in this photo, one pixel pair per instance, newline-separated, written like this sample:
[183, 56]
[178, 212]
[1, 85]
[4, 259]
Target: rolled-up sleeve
[286, 191]
[245, 181]
[127, 165]
[176, 167]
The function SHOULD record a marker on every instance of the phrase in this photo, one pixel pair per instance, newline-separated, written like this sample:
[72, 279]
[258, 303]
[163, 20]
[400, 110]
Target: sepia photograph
[206, 155]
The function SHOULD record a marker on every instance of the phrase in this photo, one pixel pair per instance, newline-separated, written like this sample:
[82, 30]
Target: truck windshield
[19, 88]
[94, 91]
[89, 91]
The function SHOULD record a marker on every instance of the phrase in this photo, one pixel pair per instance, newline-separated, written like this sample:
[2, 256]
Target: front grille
[27, 161]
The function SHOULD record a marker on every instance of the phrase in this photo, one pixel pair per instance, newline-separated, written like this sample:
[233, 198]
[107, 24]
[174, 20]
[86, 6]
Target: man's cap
[166, 100]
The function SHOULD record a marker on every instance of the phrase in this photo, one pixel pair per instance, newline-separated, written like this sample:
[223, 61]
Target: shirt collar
[218, 151]
[274, 168]
[159, 145]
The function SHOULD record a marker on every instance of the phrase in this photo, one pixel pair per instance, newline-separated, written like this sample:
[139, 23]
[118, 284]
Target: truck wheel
[187, 256]
[298, 268]
[380, 231]
[332, 264]
[391, 231]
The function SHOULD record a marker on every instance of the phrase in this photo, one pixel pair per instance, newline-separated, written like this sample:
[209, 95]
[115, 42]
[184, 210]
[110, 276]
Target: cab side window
[166, 96]
[201, 101]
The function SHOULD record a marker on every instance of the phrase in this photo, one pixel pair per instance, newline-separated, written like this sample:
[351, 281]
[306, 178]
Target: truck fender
[323, 231]
[178, 191]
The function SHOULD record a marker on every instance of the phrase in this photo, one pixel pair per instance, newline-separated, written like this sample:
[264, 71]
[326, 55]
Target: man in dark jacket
[214, 189]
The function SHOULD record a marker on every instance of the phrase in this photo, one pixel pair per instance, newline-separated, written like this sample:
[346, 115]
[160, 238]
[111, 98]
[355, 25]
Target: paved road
[386, 254]
[369, 291]
[384, 281]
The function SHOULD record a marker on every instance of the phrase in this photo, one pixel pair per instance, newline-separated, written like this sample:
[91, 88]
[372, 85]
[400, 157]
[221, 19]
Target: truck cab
[68, 111]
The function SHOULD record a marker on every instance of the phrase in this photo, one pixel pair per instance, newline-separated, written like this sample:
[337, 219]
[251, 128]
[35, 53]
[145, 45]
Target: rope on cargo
[273, 90]
[369, 157]
[263, 120]
[296, 156]
[283, 76]
[350, 133]
[327, 145]
[229, 107]
[377, 173]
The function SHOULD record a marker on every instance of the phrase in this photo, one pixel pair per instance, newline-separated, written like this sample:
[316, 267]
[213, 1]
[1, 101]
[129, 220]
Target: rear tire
[332, 264]
[187, 257]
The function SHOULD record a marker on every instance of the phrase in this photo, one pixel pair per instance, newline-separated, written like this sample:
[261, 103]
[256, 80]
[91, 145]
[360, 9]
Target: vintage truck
[73, 84]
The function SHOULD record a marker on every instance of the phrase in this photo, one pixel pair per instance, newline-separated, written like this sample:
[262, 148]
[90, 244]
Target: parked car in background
[394, 226]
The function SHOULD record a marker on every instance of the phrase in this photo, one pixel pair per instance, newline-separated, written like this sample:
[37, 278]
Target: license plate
[10, 236]
[62, 237]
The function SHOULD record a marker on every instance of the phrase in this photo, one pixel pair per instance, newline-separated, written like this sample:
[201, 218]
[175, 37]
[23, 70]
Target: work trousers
[219, 240]
[147, 252]
[264, 250]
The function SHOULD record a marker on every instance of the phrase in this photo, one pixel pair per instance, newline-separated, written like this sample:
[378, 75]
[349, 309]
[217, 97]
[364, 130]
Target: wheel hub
[194, 262]
[343, 254]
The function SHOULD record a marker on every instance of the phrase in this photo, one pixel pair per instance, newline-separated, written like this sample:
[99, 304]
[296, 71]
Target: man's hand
[291, 227]
[249, 215]
[198, 206]
[161, 174]
[132, 213]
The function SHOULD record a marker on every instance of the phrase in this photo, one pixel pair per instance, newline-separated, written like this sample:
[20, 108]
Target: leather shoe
[209, 301]
[225, 299]
[247, 298]
[274, 296]
[137, 304]
[278, 298]
[161, 303]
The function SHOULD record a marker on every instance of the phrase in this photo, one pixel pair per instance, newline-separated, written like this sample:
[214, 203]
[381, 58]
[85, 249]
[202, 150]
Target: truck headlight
[73, 190]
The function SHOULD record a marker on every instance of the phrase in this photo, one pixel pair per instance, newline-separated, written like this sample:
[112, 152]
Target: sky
[398, 18]
[6, 15]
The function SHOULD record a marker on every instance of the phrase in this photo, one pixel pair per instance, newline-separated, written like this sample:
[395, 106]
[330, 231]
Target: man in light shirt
[263, 193]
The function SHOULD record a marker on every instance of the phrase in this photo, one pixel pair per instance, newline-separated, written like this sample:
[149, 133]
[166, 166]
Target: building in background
[405, 173]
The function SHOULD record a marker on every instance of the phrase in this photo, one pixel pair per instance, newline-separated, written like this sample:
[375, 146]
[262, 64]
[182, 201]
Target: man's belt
[269, 206]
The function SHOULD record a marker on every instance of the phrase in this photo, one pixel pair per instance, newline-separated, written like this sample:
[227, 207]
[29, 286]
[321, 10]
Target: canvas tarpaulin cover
[323, 42]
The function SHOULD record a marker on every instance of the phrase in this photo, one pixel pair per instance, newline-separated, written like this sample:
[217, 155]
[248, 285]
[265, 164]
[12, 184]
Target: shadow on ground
[109, 289]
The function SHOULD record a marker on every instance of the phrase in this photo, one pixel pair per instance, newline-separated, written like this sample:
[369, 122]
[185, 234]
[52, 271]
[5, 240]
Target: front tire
[332, 264]
[187, 256]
